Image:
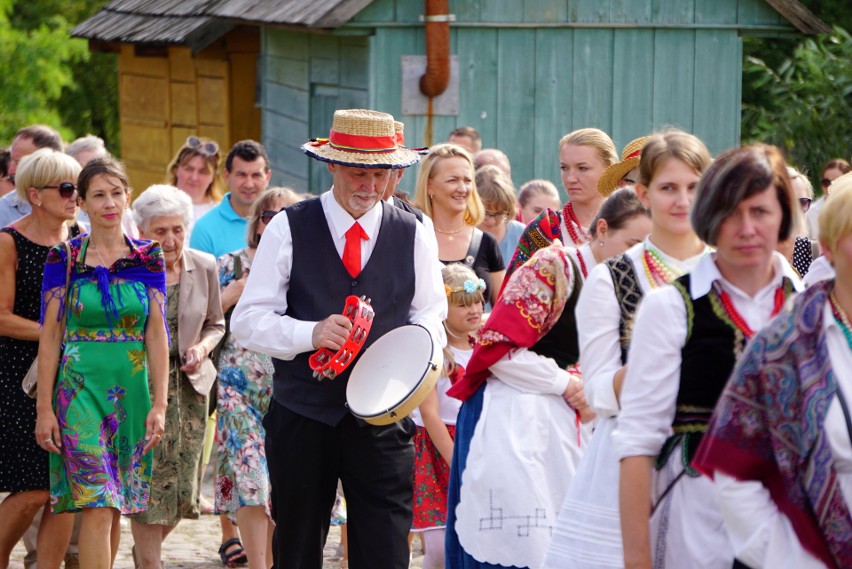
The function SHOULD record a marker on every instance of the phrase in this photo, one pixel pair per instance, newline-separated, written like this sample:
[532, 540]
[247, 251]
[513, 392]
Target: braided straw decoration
[363, 122]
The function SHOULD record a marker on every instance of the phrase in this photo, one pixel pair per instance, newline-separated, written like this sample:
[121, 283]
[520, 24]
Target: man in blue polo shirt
[223, 229]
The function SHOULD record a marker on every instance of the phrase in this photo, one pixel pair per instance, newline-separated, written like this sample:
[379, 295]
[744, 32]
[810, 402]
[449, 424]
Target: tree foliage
[50, 77]
[805, 105]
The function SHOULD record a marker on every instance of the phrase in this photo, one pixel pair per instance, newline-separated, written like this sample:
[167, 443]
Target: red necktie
[352, 249]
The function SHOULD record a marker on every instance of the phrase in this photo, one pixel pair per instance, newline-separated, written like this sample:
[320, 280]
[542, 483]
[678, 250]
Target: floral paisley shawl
[527, 309]
[768, 426]
[144, 264]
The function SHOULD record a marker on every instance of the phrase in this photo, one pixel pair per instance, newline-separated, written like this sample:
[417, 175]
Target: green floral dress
[101, 398]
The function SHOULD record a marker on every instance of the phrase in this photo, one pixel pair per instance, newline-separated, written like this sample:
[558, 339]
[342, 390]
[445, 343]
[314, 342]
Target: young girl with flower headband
[588, 533]
[436, 417]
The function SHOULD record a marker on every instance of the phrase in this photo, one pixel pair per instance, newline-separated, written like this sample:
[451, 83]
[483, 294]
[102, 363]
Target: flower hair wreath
[468, 287]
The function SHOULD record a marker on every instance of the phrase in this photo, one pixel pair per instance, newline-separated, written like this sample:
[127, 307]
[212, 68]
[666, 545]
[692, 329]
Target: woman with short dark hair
[783, 423]
[686, 340]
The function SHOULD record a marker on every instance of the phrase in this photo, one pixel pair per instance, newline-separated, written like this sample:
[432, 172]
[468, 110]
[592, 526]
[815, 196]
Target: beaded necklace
[841, 318]
[578, 236]
[737, 319]
[658, 271]
[582, 263]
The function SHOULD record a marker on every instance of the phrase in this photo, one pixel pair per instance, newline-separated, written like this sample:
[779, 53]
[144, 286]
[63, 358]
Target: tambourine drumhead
[394, 375]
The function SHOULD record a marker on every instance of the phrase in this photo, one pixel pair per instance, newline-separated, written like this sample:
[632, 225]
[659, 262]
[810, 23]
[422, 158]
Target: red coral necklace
[737, 318]
[578, 236]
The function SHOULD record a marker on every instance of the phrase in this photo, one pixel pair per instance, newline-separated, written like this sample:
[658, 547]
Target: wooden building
[526, 71]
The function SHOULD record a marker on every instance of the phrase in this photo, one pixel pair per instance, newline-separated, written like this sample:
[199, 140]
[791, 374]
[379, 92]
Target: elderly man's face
[20, 147]
[357, 190]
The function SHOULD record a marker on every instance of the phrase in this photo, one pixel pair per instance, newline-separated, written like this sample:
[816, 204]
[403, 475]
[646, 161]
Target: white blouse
[448, 407]
[649, 394]
[598, 317]
[583, 252]
[761, 535]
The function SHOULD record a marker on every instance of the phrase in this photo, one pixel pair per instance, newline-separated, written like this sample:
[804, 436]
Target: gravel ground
[194, 545]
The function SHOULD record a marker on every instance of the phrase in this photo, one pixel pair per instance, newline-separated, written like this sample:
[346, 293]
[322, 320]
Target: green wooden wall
[305, 78]
[530, 71]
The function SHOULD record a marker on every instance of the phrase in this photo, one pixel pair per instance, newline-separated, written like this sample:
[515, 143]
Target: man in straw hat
[346, 241]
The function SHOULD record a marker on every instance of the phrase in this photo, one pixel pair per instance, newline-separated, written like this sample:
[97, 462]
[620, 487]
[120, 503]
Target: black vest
[319, 285]
[713, 346]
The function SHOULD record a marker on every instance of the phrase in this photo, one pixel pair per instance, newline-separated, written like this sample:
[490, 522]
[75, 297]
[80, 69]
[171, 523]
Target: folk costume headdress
[362, 139]
[630, 156]
[528, 308]
[540, 233]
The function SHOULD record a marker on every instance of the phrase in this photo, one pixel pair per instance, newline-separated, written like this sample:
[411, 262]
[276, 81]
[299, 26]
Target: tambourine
[327, 364]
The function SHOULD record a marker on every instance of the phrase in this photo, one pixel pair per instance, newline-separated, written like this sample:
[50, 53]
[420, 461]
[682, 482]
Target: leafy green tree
[806, 103]
[50, 77]
[35, 66]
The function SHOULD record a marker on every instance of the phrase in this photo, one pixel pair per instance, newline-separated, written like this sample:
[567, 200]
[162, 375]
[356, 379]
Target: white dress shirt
[761, 535]
[649, 393]
[259, 322]
[598, 319]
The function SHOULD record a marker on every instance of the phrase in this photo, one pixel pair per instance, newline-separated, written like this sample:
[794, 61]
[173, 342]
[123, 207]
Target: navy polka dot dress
[23, 464]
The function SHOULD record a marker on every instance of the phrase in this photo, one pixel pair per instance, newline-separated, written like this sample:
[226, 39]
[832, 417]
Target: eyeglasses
[66, 189]
[496, 215]
[826, 182]
[267, 215]
[208, 148]
[805, 204]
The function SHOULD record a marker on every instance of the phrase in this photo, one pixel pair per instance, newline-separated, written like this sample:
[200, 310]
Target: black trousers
[375, 465]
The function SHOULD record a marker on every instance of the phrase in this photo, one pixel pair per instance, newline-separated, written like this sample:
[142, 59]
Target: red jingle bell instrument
[328, 364]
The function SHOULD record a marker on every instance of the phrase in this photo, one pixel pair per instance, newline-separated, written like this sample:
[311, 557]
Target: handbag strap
[238, 267]
[473, 249]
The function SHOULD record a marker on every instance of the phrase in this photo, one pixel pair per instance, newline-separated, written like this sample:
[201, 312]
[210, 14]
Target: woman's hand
[155, 425]
[575, 397]
[47, 432]
[192, 358]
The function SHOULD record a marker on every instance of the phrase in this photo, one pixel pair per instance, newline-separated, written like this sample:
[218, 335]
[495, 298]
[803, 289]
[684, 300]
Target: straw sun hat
[362, 139]
[608, 182]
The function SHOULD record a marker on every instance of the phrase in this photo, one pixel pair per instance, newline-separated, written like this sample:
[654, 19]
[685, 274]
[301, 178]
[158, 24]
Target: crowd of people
[652, 373]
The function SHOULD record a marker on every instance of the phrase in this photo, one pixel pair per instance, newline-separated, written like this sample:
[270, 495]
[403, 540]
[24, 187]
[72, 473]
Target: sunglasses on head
[66, 189]
[825, 182]
[208, 148]
[805, 203]
[267, 215]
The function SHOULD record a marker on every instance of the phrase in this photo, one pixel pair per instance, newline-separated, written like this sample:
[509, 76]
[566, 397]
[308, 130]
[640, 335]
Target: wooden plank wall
[167, 96]
[305, 78]
[666, 63]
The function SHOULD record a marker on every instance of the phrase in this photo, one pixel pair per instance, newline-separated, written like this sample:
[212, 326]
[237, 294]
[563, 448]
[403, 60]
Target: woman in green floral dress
[99, 421]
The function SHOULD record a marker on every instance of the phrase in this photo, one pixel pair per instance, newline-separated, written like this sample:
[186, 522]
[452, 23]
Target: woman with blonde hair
[446, 192]
[584, 154]
[195, 170]
[47, 180]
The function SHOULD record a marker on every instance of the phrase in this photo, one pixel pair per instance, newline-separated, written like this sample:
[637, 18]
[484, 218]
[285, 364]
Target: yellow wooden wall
[170, 93]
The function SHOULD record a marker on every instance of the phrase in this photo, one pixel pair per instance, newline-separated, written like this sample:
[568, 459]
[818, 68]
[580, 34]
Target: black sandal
[234, 557]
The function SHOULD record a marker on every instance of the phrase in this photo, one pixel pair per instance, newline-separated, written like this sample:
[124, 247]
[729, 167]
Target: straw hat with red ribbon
[363, 139]
[608, 182]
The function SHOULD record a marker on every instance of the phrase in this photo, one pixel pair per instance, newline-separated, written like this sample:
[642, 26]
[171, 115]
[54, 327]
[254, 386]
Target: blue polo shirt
[219, 231]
